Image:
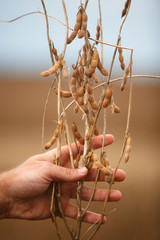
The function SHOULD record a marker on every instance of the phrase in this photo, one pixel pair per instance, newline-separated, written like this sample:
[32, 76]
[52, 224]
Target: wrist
[4, 197]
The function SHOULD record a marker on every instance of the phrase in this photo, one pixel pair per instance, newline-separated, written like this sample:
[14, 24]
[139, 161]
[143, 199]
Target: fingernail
[82, 170]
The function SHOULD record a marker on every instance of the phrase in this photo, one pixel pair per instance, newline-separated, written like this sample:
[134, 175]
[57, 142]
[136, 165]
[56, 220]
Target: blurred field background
[24, 54]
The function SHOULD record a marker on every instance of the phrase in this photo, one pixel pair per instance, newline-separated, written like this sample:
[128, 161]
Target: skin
[25, 191]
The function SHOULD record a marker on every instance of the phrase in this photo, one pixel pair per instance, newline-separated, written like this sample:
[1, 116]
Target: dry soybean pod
[105, 160]
[64, 68]
[64, 94]
[125, 8]
[99, 165]
[102, 69]
[80, 99]
[54, 51]
[76, 109]
[55, 135]
[121, 58]
[76, 133]
[81, 71]
[73, 83]
[91, 99]
[94, 76]
[114, 108]
[98, 28]
[94, 62]
[80, 91]
[127, 150]
[107, 99]
[76, 28]
[96, 132]
[124, 80]
[51, 70]
[83, 25]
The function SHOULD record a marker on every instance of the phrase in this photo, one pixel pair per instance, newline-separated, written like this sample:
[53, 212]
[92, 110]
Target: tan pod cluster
[83, 29]
[100, 166]
[76, 27]
[88, 160]
[94, 63]
[106, 163]
[80, 25]
[80, 98]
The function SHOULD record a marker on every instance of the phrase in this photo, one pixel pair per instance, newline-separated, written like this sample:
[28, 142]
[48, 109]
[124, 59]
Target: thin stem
[90, 228]
[68, 133]
[58, 153]
[92, 194]
[67, 29]
[53, 187]
[86, 3]
[120, 78]
[47, 25]
[44, 112]
[52, 210]
[118, 40]
[103, 91]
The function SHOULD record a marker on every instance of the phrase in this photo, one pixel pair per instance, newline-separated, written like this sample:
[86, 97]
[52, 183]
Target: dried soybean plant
[88, 74]
[82, 82]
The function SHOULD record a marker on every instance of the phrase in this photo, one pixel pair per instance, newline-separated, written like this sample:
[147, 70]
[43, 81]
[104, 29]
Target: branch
[50, 16]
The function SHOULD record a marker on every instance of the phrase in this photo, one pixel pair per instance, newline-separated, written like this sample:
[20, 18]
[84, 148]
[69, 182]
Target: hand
[28, 187]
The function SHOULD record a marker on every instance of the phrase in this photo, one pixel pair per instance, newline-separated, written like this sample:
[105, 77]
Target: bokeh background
[24, 54]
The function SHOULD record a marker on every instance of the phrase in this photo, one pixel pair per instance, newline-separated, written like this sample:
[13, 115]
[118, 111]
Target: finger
[95, 143]
[91, 176]
[58, 173]
[89, 217]
[65, 156]
[99, 194]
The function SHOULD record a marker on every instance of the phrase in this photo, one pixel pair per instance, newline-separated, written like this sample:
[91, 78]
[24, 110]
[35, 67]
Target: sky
[24, 47]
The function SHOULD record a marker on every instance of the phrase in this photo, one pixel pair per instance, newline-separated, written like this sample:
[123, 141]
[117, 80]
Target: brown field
[137, 215]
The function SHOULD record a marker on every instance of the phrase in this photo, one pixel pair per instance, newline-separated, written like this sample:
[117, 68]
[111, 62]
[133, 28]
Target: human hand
[28, 187]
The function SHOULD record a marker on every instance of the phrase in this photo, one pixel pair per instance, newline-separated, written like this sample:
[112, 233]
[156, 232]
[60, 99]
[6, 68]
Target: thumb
[58, 173]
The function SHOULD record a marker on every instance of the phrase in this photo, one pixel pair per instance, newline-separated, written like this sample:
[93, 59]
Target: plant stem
[67, 29]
